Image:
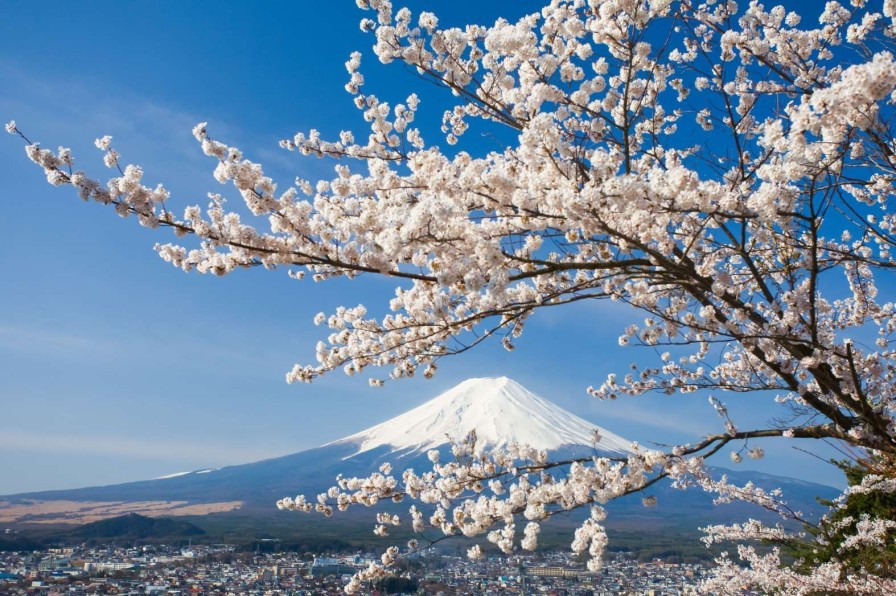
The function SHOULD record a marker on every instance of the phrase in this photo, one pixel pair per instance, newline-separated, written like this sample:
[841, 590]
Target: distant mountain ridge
[500, 410]
[134, 526]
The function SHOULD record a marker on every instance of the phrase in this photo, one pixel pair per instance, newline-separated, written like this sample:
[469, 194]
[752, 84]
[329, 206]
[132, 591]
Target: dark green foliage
[19, 542]
[125, 528]
[135, 527]
[396, 585]
[831, 533]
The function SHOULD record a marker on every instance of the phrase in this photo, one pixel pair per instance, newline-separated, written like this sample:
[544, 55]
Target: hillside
[135, 527]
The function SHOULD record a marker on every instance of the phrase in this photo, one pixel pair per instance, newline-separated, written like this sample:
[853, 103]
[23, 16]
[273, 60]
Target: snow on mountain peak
[500, 410]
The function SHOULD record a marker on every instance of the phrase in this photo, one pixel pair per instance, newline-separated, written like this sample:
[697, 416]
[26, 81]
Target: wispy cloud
[156, 134]
[74, 111]
[47, 341]
[77, 346]
[643, 414]
[181, 452]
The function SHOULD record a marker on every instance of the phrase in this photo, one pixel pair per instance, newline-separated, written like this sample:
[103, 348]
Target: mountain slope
[500, 411]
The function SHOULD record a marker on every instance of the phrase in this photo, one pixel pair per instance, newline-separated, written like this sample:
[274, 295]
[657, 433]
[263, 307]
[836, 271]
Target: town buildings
[219, 569]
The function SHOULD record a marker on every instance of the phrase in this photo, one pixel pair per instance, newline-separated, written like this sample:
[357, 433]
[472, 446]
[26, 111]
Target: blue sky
[114, 366]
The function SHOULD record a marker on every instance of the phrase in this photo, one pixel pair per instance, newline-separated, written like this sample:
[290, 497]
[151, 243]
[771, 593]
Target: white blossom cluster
[750, 530]
[488, 493]
[754, 252]
[768, 573]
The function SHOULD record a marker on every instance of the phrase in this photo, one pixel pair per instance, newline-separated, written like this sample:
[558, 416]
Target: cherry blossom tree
[754, 249]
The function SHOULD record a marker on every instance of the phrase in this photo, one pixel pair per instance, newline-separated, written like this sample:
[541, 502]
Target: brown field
[82, 512]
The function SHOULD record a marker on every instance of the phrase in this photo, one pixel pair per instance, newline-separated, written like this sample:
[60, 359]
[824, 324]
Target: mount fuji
[500, 410]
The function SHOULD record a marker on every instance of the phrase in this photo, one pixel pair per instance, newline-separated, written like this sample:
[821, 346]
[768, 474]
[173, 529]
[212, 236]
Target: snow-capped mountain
[500, 410]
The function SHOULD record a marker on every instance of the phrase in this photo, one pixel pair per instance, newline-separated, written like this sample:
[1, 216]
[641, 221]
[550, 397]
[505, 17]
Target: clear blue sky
[114, 366]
